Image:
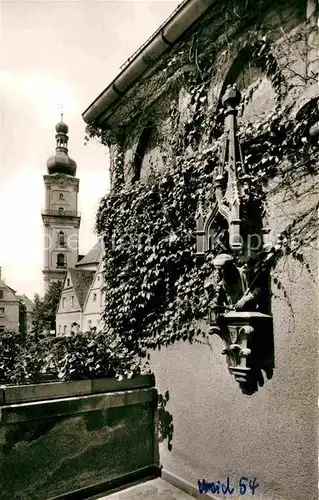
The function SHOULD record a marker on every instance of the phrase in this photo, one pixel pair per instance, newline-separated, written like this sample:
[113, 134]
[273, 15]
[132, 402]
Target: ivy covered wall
[155, 297]
[164, 159]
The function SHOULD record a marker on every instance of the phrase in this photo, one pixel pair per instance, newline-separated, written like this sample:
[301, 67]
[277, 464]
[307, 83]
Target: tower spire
[60, 216]
[61, 110]
[61, 163]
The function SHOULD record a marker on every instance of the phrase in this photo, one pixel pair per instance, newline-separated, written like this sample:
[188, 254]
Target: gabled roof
[3, 285]
[81, 281]
[94, 256]
[98, 271]
[28, 302]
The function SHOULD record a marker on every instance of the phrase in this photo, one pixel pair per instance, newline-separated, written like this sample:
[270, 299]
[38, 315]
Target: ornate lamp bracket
[238, 308]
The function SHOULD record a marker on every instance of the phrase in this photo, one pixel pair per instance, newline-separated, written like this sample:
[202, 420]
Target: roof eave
[176, 25]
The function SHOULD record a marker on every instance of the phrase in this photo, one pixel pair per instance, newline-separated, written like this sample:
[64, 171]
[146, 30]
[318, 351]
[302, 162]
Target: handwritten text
[246, 486]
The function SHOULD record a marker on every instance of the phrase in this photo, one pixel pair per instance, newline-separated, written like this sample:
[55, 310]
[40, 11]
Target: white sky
[54, 51]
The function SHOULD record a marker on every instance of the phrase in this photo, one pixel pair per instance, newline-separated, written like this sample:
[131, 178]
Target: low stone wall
[76, 439]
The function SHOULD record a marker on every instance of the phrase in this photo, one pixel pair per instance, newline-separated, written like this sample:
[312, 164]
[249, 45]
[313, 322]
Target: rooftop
[81, 280]
[28, 302]
[94, 256]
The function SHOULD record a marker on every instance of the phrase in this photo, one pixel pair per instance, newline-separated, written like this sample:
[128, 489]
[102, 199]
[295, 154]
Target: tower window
[64, 330]
[72, 301]
[94, 297]
[61, 239]
[68, 282]
[63, 302]
[61, 210]
[61, 196]
[1, 294]
[1, 311]
[61, 260]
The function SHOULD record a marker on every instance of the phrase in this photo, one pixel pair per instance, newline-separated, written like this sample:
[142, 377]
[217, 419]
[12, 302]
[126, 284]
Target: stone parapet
[82, 436]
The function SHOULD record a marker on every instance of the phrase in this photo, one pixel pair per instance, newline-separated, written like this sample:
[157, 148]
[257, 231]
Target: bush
[9, 348]
[82, 356]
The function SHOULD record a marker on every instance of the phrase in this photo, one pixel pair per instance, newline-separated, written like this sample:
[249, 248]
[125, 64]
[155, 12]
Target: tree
[22, 318]
[37, 323]
[45, 309]
[50, 304]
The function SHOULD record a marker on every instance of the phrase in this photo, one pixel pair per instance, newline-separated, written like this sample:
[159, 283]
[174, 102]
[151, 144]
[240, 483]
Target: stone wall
[62, 437]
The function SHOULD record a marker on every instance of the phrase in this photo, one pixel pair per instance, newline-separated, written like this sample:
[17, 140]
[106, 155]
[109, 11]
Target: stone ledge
[40, 410]
[112, 485]
[185, 486]
[55, 390]
[77, 447]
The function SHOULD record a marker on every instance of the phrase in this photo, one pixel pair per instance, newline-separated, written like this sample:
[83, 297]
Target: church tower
[60, 216]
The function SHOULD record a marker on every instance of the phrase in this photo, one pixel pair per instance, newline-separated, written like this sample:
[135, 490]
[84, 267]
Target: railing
[60, 213]
[61, 265]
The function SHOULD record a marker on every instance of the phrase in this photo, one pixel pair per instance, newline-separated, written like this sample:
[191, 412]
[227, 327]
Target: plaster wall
[10, 319]
[91, 320]
[272, 435]
[53, 248]
[68, 301]
[65, 320]
[68, 202]
[61, 191]
[218, 431]
[93, 305]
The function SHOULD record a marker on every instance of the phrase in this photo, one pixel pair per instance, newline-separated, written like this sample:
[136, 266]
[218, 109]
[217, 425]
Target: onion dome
[61, 163]
[61, 127]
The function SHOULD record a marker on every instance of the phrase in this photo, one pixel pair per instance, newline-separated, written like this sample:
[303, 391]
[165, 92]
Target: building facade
[9, 308]
[94, 302]
[79, 308]
[28, 313]
[168, 105]
[61, 218]
[70, 309]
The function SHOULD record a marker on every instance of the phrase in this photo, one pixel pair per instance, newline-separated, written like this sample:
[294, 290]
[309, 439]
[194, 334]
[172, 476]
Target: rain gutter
[182, 18]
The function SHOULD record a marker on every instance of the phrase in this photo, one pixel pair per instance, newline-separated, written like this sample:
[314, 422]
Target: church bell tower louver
[60, 216]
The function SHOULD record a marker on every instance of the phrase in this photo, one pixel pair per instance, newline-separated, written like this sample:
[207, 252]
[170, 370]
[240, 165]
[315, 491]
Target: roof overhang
[186, 14]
